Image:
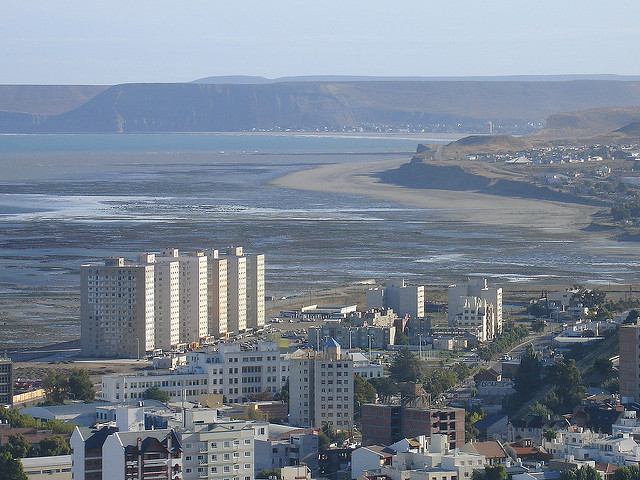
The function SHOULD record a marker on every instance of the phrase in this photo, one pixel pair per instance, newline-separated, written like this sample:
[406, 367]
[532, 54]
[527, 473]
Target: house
[492, 451]
[492, 426]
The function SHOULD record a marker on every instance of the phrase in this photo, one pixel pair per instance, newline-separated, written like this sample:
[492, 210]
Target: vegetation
[510, 336]
[527, 378]
[363, 392]
[11, 468]
[568, 390]
[385, 388]
[58, 387]
[491, 472]
[13, 418]
[154, 393]
[54, 445]
[268, 473]
[406, 367]
[283, 395]
[582, 473]
[471, 416]
[631, 472]
[401, 338]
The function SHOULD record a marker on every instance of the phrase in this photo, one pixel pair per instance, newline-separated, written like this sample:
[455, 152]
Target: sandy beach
[358, 178]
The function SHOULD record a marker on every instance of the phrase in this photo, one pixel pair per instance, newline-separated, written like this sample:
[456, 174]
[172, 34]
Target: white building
[167, 300]
[362, 366]
[217, 293]
[117, 301]
[255, 291]
[583, 444]
[194, 324]
[403, 299]
[56, 467]
[218, 451]
[476, 308]
[229, 370]
[236, 290]
[321, 388]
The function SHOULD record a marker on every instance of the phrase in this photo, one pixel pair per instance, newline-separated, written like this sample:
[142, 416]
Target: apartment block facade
[629, 351]
[321, 388]
[402, 298]
[166, 299]
[476, 308]
[6, 381]
[117, 309]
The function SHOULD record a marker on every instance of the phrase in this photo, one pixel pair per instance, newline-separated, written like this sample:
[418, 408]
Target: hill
[45, 99]
[584, 124]
[486, 144]
[197, 107]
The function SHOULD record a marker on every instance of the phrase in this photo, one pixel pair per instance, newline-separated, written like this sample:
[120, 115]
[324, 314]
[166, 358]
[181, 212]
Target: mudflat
[466, 206]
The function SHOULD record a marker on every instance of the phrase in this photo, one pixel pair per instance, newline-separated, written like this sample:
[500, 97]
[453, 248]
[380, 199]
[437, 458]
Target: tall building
[629, 369]
[217, 293]
[477, 308]
[219, 451]
[321, 388]
[255, 290]
[236, 290]
[6, 381]
[117, 301]
[194, 324]
[402, 298]
[387, 424]
[167, 300]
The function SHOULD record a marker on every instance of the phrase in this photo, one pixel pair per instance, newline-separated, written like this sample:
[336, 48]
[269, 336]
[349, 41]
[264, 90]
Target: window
[247, 441]
[226, 469]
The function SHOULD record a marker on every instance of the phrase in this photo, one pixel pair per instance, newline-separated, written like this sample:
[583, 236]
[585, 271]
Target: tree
[495, 472]
[283, 395]
[406, 367]
[527, 377]
[323, 442]
[363, 392]
[582, 473]
[632, 316]
[56, 386]
[385, 388]
[54, 445]
[603, 365]
[632, 472]
[549, 434]
[17, 446]
[439, 381]
[538, 408]
[154, 393]
[268, 473]
[568, 383]
[80, 385]
[401, 338]
[10, 468]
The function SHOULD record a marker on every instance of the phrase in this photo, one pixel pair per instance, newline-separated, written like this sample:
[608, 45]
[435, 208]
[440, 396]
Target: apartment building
[236, 289]
[354, 337]
[321, 388]
[229, 370]
[217, 293]
[142, 455]
[255, 290]
[629, 351]
[166, 300]
[477, 308]
[6, 381]
[117, 309]
[386, 424]
[402, 298]
[218, 451]
[194, 322]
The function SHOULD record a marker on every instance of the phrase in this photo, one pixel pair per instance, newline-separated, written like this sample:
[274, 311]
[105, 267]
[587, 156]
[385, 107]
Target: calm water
[68, 199]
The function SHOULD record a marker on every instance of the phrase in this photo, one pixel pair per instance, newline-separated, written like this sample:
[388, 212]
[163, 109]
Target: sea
[66, 200]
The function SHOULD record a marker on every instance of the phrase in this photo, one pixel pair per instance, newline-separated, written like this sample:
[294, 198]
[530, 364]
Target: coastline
[357, 178]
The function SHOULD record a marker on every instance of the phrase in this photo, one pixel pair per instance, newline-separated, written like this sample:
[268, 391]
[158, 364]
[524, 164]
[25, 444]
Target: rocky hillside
[192, 107]
[587, 123]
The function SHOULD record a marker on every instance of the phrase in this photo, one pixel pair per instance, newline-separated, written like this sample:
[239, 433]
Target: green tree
[56, 386]
[582, 473]
[439, 380]
[538, 408]
[385, 388]
[11, 468]
[54, 445]
[323, 442]
[154, 393]
[80, 385]
[406, 367]
[549, 434]
[632, 316]
[495, 472]
[363, 392]
[17, 446]
[269, 472]
[603, 365]
[401, 338]
[632, 472]
[527, 377]
[568, 383]
[283, 395]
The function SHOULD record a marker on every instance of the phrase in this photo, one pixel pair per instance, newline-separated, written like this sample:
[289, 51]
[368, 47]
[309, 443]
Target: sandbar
[466, 206]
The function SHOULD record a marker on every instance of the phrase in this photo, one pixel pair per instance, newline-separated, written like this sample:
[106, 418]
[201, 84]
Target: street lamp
[369, 338]
[420, 346]
[350, 332]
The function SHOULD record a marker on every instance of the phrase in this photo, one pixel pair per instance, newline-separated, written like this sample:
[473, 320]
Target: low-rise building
[46, 468]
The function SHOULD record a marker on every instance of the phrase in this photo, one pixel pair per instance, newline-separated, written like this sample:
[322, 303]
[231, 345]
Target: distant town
[396, 386]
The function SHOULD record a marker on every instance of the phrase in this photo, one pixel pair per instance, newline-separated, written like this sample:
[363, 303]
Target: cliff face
[233, 107]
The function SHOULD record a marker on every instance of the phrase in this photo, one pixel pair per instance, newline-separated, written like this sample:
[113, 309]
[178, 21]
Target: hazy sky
[108, 42]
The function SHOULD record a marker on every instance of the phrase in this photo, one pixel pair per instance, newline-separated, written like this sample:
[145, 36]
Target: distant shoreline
[358, 178]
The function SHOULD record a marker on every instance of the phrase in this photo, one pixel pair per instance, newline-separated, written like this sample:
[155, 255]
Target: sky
[110, 42]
